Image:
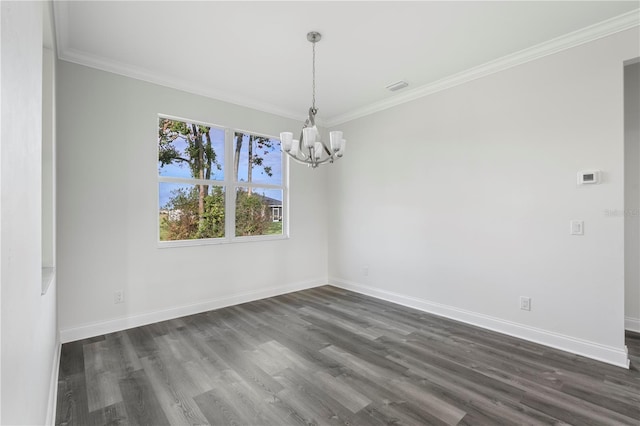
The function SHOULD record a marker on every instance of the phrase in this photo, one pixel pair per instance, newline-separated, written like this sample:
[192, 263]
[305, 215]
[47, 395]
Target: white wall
[29, 344]
[48, 159]
[632, 195]
[459, 203]
[1, 204]
[107, 209]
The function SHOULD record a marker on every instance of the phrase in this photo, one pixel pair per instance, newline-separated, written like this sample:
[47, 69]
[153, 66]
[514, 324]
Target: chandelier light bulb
[340, 152]
[309, 136]
[335, 138]
[295, 146]
[317, 150]
[286, 140]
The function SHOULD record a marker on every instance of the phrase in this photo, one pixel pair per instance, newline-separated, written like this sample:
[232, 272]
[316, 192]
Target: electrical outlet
[525, 303]
[365, 271]
[118, 296]
[576, 227]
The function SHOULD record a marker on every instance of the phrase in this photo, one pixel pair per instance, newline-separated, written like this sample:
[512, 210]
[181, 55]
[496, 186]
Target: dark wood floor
[329, 356]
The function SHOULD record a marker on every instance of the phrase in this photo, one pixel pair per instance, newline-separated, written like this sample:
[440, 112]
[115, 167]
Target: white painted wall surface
[49, 214]
[28, 319]
[460, 202]
[632, 196]
[107, 210]
[48, 160]
[1, 139]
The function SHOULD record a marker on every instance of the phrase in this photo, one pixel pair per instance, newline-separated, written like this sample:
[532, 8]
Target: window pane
[189, 150]
[257, 159]
[189, 212]
[258, 211]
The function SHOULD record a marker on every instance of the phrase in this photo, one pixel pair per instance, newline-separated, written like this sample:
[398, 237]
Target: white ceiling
[256, 53]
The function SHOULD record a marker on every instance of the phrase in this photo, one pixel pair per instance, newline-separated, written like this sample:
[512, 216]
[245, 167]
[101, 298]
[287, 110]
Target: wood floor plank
[372, 351]
[196, 342]
[387, 406]
[233, 401]
[361, 328]
[71, 359]
[372, 416]
[605, 398]
[573, 411]
[72, 406]
[354, 401]
[367, 367]
[123, 353]
[178, 408]
[464, 384]
[474, 401]
[328, 356]
[632, 340]
[241, 363]
[291, 359]
[142, 405]
[183, 371]
[262, 357]
[112, 415]
[321, 407]
[102, 375]
[429, 400]
[142, 340]
[218, 410]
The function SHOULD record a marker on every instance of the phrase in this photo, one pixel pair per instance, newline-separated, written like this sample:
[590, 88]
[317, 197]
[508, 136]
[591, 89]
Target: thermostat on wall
[588, 177]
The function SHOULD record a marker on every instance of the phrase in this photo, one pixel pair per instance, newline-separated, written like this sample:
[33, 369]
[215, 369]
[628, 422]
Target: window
[217, 184]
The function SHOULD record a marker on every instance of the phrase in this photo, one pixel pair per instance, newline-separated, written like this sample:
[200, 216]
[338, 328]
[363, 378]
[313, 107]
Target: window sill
[220, 241]
[48, 275]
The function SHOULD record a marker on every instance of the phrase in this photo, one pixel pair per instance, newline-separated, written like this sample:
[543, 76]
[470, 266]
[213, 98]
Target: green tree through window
[195, 185]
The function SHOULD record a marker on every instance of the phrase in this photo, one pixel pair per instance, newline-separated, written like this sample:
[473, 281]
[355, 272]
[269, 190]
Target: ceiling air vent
[397, 85]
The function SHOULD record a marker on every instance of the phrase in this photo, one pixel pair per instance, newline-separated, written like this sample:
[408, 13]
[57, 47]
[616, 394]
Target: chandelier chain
[313, 87]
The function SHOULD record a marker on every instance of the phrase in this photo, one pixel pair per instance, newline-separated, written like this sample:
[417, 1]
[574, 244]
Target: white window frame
[229, 186]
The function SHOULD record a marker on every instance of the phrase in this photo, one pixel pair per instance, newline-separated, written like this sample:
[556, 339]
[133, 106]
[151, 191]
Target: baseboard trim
[86, 331]
[607, 354]
[632, 324]
[53, 386]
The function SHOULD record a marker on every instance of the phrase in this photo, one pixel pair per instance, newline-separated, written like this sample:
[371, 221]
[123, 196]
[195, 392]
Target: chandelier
[313, 150]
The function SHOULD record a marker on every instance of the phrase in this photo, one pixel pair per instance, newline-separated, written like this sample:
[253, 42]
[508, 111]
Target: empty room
[319, 213]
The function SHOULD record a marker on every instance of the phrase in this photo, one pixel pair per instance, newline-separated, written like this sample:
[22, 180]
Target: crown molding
[602, 29]
[81, 58]
[65, 53]
[576, 38]
[60, 12]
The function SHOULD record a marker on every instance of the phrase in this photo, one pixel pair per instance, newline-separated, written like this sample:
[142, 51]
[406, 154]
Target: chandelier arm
[297, 160]
[305, 162]
[310, 161]
[326, 149]
[326, 160]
